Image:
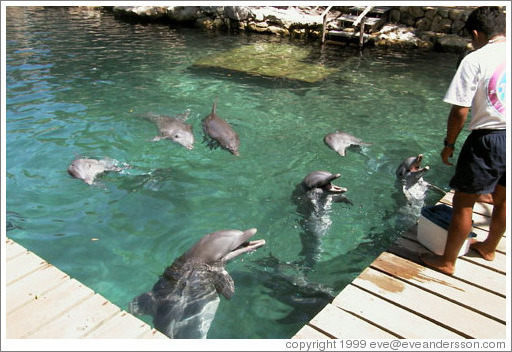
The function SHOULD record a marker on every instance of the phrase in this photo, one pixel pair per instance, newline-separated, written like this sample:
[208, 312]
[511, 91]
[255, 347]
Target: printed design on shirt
[496, 89]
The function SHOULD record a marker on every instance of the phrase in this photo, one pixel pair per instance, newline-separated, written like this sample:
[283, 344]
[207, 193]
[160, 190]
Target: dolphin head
[87, 169]
[222, 246]
[410, 170]
[232, 144]
[411, 166]
[183, 136]
[322, 179]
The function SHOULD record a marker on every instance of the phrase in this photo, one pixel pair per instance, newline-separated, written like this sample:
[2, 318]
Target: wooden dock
[43, 302]
[398, 297]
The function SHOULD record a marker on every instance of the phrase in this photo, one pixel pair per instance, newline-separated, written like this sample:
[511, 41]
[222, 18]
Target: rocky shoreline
[430, 28]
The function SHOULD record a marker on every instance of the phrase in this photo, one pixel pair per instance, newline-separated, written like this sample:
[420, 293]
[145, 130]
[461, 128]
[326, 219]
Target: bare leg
[485, 198]
[458, 231]
[487, 248]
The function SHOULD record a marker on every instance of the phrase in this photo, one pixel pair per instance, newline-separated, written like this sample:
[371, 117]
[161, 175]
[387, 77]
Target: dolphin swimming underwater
[174, 128]
[87, 169]
[183, 302]
[339, 141]
[219, 132]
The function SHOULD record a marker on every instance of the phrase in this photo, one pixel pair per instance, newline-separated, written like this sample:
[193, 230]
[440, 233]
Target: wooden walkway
[397, 297]
[44, 302]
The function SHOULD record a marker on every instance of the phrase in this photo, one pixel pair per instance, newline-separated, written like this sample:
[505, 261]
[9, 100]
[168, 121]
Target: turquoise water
[76, 82]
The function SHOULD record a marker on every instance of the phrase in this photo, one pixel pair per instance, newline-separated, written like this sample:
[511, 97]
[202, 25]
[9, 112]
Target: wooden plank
[481, 235]
[12, 249]
[480, 208]
[76, 322]
[43, 302]
[442, 285]
[499, 263]
[308, 332]
[33, 286]
[22, 265]
[121, 326]
[448, 314]
[477, 275]
[152, 334]
[399, 321]
[24, 321]
[340, 324]
[353, 20]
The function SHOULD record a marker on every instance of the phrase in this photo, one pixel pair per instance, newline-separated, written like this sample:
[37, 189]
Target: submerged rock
[270, 60]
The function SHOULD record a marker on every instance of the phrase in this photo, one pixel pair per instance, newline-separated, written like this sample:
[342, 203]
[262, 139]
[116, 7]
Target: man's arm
[456, 120]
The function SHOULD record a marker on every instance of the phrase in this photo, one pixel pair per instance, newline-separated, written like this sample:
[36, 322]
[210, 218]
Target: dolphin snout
[252, 231]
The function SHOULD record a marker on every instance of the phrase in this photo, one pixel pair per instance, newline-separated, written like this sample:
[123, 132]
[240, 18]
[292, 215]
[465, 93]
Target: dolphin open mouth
[416, 165]
[246, 246]
[329, 186]
[323, 180]
[334, 189]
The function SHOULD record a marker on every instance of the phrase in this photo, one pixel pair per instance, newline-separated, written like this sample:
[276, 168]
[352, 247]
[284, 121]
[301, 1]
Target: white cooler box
[433, 229]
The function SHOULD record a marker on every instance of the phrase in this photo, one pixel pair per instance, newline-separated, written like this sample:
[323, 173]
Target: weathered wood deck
[44, 302]
[398, 297]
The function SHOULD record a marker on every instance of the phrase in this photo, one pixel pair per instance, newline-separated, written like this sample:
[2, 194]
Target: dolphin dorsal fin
[225, 285]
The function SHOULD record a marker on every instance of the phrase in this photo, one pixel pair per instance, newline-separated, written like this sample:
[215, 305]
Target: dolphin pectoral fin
[225, 285]
[144, 304]
[343, 199]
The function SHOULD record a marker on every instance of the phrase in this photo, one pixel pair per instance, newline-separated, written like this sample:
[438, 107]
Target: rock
[413, 22]
[238, 13]
[452, 43]
[184, 13]
[423, 24]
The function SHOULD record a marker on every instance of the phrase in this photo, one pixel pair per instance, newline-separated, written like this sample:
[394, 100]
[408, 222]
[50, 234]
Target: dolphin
[411, 190]
[220, 132]
[340, 141]
[314, 197]
[183, 302]
[87, 169]
[174, 128]
[410, 172]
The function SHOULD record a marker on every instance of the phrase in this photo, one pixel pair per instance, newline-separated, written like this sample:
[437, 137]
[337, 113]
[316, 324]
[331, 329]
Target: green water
[76, 82]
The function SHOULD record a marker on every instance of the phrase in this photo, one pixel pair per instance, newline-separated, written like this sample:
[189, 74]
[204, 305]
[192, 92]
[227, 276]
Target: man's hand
[447, 153]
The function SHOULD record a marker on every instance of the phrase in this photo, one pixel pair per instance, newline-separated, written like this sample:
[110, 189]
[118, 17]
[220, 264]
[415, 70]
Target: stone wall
[438, 19]
[284, 20]
[429, 27]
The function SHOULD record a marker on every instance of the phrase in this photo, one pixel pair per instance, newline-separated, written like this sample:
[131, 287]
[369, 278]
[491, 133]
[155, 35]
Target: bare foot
[480, 248]
[437, 263]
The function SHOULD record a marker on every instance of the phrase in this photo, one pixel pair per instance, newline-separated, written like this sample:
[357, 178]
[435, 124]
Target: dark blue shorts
[482, 162]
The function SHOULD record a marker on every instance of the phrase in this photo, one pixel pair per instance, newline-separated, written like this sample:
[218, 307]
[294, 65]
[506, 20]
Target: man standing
[479, 84]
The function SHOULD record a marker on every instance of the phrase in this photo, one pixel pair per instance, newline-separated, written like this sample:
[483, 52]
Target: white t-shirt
[480, 83]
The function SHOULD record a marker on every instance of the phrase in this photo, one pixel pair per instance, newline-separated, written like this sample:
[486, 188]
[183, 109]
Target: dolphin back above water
[340, 141]
[174, 128]
[183, 302]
